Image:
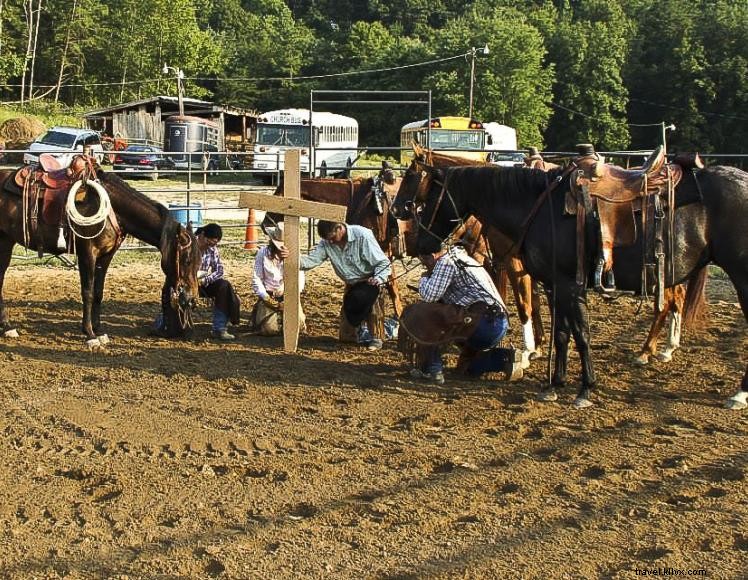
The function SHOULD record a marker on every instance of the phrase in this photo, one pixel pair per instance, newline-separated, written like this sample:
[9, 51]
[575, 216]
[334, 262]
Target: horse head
[414, 186]
[440, 213]
[180, 261]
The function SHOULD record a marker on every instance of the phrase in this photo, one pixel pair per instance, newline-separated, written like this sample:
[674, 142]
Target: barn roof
[189, 105]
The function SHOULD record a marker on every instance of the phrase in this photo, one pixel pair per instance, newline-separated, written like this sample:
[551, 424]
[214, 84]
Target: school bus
[458, 136]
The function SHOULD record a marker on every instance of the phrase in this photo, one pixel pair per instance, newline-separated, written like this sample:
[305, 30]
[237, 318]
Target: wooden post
[292, 208]
[291, 292]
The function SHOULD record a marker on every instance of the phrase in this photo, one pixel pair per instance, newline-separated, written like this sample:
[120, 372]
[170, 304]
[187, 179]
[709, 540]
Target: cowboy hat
[276, 236]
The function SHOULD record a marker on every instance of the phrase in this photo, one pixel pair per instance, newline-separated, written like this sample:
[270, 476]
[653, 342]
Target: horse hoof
[93, 343]
[103, 339]
[664, 357]
[582, 403]
[525, 363]
[738, 401]
[548, 396]
[642, 360]
[12, 333]
[535, 354]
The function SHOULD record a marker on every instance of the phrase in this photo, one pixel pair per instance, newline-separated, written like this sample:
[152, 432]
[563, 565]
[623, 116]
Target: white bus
[501, 144]
[334, 141]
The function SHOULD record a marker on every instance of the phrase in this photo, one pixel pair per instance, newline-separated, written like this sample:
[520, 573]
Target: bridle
[178, 297]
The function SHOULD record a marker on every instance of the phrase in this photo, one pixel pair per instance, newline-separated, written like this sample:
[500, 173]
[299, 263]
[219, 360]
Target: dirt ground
[161, 459]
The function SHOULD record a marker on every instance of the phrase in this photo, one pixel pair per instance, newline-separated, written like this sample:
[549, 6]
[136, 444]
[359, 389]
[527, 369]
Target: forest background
[608, 72]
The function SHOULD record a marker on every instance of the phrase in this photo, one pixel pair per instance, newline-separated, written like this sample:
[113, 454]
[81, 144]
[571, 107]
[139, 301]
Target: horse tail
[695, 306]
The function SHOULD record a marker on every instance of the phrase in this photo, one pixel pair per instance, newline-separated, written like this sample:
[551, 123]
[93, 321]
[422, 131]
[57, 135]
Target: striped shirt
[459, 279]
[360, 258]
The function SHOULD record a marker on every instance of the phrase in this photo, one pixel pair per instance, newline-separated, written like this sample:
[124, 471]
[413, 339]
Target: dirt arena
[160, 459]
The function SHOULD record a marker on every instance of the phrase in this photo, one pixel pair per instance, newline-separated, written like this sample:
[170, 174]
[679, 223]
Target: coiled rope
[99, 217]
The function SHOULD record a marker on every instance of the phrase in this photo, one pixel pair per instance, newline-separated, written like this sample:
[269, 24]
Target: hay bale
[21, 130]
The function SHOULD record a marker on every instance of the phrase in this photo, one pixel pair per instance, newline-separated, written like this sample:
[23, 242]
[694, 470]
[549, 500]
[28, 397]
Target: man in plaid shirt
[454, 278]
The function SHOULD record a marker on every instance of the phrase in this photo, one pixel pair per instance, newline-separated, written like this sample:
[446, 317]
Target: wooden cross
[293, 208]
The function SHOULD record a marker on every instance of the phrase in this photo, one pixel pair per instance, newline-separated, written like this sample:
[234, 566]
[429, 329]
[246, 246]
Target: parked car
[142, 158]
[63, 143]
[507, 159]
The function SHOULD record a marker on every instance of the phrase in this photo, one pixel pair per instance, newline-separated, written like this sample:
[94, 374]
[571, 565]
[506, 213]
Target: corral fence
[210, 193]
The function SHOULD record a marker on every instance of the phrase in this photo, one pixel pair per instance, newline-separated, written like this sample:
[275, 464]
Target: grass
[48, 113]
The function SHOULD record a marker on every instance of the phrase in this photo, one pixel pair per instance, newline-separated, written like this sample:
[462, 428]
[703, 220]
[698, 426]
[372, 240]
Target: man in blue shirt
[358, 260]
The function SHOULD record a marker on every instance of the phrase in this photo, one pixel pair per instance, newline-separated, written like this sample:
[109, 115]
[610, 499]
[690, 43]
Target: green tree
[511, 86]
[668, 78]
[589, 48]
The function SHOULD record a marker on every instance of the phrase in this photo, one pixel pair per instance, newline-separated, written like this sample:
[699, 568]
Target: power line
[257, 79]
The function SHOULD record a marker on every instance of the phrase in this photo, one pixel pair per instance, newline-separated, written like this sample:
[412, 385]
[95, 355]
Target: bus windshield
[451, 139]
[284, 135]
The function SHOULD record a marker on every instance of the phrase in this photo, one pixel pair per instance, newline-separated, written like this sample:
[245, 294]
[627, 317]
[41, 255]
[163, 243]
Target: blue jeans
[491, 329]
[220, 320]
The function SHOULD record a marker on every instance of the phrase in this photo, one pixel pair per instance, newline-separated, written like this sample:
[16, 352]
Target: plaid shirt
[211, 262]
[459, 279]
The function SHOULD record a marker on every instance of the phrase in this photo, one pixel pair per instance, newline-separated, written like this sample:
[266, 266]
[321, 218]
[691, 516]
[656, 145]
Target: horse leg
[86, 270]
[394, 292]
[649, 348]
[580, 329]
[740, 399]
[102, 266]
[522, 289]
[537, 319]
[561, 336]
[6, 251]
[675, 304]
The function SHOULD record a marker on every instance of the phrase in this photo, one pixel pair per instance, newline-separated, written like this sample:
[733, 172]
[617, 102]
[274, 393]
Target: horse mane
[133, 210]
[509, 182]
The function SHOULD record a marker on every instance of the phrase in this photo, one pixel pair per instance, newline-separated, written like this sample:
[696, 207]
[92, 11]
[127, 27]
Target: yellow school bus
[459, 136]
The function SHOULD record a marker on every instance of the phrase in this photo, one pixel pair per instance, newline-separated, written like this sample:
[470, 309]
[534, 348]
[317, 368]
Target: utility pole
[180, 88]
[472, 52]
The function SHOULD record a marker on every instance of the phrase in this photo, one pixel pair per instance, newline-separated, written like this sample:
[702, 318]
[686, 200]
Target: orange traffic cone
[250, 236]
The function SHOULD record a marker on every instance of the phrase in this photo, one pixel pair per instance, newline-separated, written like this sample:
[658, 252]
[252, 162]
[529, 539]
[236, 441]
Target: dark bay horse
[129, 212]
[711, 218]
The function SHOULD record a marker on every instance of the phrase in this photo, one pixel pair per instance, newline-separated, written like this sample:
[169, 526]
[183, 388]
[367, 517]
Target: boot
[513, 368]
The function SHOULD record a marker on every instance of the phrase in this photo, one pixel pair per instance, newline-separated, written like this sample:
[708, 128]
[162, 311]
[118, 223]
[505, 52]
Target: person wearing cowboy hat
[267, 283]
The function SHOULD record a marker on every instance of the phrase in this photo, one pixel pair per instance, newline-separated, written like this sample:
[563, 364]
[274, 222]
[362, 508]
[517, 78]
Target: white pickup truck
[63, 143]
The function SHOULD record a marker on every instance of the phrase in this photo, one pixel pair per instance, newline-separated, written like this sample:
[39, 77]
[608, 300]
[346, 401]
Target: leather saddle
[617, 195]
[48, 183]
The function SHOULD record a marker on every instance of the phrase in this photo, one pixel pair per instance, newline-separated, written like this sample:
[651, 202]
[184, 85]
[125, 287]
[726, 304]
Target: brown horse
[504, 260]
[98, 209]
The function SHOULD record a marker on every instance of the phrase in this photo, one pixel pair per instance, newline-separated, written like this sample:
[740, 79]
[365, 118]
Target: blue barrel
[187, 213]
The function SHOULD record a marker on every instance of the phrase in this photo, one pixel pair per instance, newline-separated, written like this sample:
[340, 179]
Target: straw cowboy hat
[276, 236]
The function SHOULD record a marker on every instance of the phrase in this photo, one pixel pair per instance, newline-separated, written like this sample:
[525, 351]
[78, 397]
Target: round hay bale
[21, 129]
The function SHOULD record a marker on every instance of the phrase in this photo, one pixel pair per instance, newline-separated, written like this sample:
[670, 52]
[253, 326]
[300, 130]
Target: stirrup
[610, 282]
